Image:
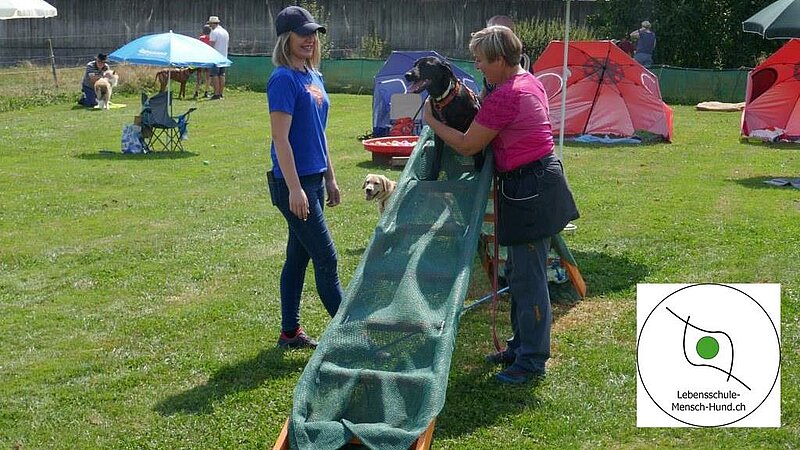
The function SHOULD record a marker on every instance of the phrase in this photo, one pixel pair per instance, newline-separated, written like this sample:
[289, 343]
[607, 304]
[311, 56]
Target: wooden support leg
[423, 442]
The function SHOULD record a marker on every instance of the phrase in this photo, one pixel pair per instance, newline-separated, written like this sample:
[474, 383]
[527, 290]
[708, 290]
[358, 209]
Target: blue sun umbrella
[169, 50]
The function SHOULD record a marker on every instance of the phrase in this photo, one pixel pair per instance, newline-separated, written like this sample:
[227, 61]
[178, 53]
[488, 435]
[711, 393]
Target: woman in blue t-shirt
[302, 171]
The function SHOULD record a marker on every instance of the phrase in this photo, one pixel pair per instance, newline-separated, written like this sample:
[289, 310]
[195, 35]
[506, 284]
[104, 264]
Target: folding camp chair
[160, 130]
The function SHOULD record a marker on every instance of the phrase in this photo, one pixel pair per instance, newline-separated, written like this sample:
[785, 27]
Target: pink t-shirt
[518, 110]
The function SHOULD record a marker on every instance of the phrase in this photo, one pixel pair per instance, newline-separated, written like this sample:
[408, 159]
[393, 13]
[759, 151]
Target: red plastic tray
[391, 145]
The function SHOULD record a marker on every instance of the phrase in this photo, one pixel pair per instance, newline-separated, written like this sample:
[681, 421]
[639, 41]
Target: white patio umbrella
[26, 9]
[30, 9]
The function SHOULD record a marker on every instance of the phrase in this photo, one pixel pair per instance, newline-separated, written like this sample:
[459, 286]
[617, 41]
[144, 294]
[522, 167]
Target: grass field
[139, 293]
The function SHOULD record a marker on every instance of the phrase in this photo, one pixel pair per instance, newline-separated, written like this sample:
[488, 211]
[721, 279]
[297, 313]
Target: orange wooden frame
[423, 442]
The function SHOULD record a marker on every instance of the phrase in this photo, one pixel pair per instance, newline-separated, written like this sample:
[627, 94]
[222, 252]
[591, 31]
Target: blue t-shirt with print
[303, 96]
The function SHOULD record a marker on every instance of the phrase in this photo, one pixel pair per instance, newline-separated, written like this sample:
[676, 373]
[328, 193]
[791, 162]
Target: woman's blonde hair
[496, 42]
[281, 54]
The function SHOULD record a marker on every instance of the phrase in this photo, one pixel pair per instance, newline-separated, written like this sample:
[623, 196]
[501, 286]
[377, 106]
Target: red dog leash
[495, 265]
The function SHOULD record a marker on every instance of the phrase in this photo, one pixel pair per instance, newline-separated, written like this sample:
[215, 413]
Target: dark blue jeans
[308, 240]
[89, 98]
[531, 316]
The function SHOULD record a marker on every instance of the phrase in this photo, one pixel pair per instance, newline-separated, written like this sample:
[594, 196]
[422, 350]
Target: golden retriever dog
[104, 87]
[378, 187]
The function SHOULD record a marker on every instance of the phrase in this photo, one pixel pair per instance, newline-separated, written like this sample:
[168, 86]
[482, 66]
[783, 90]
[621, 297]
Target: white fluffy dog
[104, 87]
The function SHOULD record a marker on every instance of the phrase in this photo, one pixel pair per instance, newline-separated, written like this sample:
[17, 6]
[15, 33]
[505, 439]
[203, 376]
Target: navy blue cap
[297, 19]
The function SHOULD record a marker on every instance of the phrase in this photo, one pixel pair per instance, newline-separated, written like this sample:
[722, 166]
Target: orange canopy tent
[608, 92]
[772, 99]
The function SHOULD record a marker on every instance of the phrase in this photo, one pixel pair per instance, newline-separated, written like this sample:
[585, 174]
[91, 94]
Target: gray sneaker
[300, 340]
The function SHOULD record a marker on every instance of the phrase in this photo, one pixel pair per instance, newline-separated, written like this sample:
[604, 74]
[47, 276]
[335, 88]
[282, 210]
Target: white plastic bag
[132, 139]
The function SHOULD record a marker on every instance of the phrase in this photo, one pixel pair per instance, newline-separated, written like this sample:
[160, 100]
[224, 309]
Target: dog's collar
[447, 91]
[452, 92]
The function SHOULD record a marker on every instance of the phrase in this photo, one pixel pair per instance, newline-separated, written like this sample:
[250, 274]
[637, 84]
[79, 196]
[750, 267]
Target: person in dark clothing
[94, 71]
[645, 44]
[626, 46]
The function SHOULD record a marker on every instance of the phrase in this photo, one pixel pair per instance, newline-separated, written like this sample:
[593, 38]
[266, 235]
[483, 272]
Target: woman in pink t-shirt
[535, 200]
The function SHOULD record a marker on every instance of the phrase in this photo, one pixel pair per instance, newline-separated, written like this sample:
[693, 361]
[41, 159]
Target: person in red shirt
[626, 46]
[202, 74]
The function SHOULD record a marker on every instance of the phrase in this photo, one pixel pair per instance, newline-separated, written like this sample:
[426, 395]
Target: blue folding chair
[160, 130]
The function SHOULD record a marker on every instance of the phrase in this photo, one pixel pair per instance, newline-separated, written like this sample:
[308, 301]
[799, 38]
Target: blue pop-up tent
[390, 80]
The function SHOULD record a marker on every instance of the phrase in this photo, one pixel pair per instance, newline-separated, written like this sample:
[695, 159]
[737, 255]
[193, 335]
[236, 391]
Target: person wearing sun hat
[218, 38]
[302, 170]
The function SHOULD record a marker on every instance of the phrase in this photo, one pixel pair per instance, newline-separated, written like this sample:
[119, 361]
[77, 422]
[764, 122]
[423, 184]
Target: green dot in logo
[707, 347]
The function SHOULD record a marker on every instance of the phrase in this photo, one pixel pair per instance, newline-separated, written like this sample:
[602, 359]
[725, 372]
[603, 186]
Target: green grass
[139, 293]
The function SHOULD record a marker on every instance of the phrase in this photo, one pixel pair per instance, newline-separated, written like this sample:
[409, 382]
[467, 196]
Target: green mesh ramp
[380, 371]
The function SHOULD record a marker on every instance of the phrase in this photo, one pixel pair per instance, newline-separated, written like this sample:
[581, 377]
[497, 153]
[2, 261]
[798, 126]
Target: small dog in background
[378, 187]
[104, 87]
[163, 77]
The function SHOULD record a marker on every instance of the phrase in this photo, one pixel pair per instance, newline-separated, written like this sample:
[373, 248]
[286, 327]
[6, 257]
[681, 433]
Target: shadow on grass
[597, 145]
[354, 251]
[93, 109]
[475, 401]
[244, 376]
[646, 142]
[107, 155]
[772, 145]
[369, 164]
[605, 274]
[759, 182]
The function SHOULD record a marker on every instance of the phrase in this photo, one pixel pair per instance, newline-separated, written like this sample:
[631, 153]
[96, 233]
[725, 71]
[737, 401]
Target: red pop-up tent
[772, 99]
[608, 92]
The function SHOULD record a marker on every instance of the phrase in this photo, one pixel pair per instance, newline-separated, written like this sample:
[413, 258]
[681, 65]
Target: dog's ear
[384, 182]
[448, 69]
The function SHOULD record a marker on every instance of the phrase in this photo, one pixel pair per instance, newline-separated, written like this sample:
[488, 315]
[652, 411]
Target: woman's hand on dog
[334, 196]
[298, 204]
[427, 112]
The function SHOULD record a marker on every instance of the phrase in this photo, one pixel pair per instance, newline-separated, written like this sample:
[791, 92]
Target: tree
[690, 33]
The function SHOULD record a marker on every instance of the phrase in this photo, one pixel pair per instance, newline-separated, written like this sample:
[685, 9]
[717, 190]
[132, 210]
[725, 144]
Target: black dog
[453, 103]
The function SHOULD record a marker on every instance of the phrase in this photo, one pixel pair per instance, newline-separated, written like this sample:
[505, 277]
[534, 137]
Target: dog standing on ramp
[104, 87]
[379, 188]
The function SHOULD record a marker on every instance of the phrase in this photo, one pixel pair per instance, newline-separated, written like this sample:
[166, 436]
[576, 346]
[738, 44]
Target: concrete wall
[85, 27]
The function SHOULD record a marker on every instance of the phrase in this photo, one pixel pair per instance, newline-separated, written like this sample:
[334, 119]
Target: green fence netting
[380, 371]
[691, 86]
[352, 76]
[356, 76]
